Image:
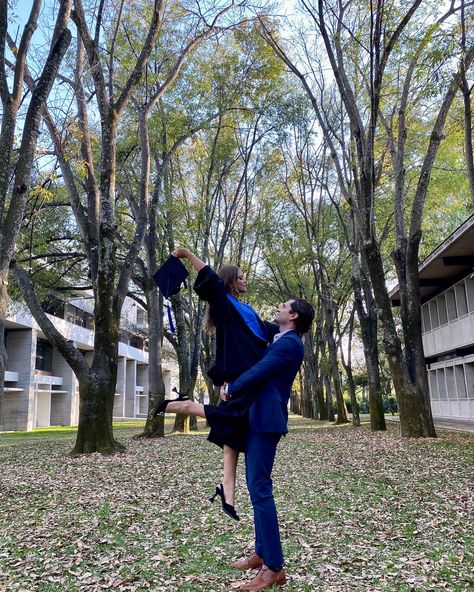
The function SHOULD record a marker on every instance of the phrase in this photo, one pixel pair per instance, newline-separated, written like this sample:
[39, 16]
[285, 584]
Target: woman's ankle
[229, 492]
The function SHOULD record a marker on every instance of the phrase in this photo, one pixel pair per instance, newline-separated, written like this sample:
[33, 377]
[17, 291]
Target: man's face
[284, 313]
[241, 283]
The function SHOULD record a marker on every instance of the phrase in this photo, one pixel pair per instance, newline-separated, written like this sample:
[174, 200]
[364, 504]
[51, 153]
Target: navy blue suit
[270, 381]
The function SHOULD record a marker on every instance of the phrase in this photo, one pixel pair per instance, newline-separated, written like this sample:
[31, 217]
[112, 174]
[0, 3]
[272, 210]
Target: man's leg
[259, 458]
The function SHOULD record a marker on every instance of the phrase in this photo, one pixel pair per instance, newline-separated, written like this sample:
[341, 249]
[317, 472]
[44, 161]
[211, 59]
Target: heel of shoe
[213, 497]
[161, 408]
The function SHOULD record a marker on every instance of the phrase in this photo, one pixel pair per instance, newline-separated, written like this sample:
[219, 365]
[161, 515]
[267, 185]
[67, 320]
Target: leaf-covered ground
[358, 511]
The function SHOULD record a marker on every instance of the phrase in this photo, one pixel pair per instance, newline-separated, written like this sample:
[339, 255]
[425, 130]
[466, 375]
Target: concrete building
[41, 390]
[447, 295]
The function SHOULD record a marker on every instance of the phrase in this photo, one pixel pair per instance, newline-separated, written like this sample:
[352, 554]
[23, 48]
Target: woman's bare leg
[188, 407]
[231, 458]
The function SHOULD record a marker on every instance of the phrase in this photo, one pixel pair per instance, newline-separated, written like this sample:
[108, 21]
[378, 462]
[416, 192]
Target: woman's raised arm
[183, 253]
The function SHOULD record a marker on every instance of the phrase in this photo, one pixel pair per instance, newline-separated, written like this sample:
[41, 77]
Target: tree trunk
[3, 351]
[328, 405]
[154, 426]
[467, 92]
[321, 409]
[371, 352]
[352, 395]
[187, 379]
[95, 417]
[414, 419]
[333, 361]
[98, 392]
[296, 395]
[348, 369]
[307, 402]
[367, 315]
[412, 332]
[320, 372]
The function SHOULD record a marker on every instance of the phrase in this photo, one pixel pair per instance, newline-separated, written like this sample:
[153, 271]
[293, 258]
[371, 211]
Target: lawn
[358, 511]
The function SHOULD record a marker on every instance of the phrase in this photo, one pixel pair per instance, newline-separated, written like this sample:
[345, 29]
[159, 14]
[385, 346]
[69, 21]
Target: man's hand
[224, 395]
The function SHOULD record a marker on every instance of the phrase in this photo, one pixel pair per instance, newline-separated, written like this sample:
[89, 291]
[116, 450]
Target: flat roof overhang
[451, 261]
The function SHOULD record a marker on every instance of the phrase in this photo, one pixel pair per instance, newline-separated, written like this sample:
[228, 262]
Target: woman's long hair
[229, 274]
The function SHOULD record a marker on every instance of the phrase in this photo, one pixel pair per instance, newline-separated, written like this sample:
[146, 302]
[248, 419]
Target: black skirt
[229, 423]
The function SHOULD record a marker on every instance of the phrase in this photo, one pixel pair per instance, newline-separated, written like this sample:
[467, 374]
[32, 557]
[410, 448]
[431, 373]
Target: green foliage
[49, 233]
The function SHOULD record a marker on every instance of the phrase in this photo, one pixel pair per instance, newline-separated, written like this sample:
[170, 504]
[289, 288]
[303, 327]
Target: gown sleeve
[210, 287]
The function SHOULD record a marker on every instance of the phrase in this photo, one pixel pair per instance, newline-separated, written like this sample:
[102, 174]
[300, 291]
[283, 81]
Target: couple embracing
[256, 364]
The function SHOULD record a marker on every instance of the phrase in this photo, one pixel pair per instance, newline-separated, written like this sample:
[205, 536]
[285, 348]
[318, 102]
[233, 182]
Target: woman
[241, 340]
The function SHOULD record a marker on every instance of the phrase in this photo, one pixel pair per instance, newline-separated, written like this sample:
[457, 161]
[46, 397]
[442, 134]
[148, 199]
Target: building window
[450, 384]
[141, 317]
[443, 312]
[451, 302]
[443, 395]
[469, 369]
[44, 356]
[80, 317]
[460, 381]
[461, 299]
[433, 385]
[470, 292]
[425, 315]
[434, 314]
[54, 306]
[136, 341]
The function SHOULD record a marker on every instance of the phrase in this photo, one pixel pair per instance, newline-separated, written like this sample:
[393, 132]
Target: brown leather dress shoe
[251, 562]
[265, 579]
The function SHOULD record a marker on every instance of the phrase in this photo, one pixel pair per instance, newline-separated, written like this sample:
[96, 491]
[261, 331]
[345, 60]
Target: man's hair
[305, 314]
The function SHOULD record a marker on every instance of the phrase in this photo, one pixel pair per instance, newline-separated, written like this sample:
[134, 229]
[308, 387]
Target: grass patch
[359, 511]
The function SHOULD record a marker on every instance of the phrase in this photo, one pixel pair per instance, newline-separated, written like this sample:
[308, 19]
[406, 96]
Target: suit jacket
[237, 346]
[270, 381]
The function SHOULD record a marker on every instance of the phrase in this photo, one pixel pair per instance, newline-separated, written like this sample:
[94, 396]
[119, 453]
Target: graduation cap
[170, 276]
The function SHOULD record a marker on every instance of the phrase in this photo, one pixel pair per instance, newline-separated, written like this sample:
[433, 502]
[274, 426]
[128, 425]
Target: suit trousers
[259, 459]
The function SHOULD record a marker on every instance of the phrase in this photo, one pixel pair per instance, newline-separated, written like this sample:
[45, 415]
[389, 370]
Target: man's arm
[284, 351]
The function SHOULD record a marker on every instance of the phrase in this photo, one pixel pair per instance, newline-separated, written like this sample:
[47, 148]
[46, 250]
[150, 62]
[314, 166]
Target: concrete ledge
[445, 423]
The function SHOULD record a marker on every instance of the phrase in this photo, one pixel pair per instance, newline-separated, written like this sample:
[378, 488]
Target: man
[271, 380]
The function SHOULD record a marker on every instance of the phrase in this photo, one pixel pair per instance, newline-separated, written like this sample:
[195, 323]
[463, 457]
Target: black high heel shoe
[228, 509]
[164, 404]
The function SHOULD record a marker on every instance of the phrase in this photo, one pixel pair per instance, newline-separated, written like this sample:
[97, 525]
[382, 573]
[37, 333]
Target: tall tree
[114, 78]
[365, 46]
[16, 161]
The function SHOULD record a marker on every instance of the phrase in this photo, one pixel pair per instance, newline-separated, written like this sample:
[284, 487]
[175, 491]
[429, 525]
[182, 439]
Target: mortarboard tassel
[170, 319]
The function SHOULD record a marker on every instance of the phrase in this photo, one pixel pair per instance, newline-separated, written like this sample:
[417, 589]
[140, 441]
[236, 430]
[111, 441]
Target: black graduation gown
[237, 350]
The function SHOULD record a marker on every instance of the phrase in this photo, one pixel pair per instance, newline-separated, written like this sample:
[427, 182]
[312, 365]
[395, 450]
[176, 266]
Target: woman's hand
[181, 253]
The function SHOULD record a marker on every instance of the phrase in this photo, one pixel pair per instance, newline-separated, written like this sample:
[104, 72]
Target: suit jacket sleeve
[280, 354]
